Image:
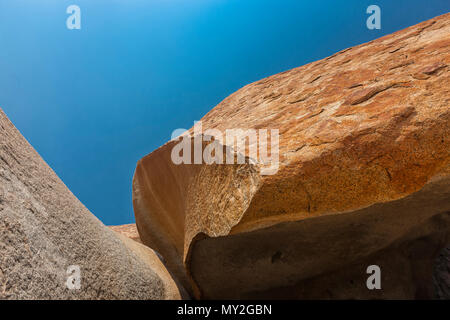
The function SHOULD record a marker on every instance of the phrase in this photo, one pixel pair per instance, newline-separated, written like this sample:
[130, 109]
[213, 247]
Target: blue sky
[94, 101]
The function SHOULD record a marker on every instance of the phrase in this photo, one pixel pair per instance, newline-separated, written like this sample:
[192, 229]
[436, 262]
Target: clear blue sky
[94, 101]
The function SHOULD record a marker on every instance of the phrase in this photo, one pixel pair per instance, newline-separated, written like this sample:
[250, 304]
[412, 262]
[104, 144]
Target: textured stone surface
[44, 229]
[152, 259]
[364, 173]
[441, 275]
[128, 230]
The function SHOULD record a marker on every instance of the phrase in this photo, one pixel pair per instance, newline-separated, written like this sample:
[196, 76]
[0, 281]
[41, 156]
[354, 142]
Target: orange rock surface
[127, 230]
[364, 170]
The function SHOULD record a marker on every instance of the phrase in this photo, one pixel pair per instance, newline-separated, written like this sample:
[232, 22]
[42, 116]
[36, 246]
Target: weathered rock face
[130, 236]
[128, 230]
[171, 290]
[363, 178]
[441, 275]
[44, 229]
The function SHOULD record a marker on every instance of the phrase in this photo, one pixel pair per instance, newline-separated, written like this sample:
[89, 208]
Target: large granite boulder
[52, 247]
[363, 179]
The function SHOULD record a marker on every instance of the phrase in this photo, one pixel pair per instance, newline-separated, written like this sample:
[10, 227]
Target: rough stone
[364, 178]
[128, 230]
[44, 229]
[441, 275]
